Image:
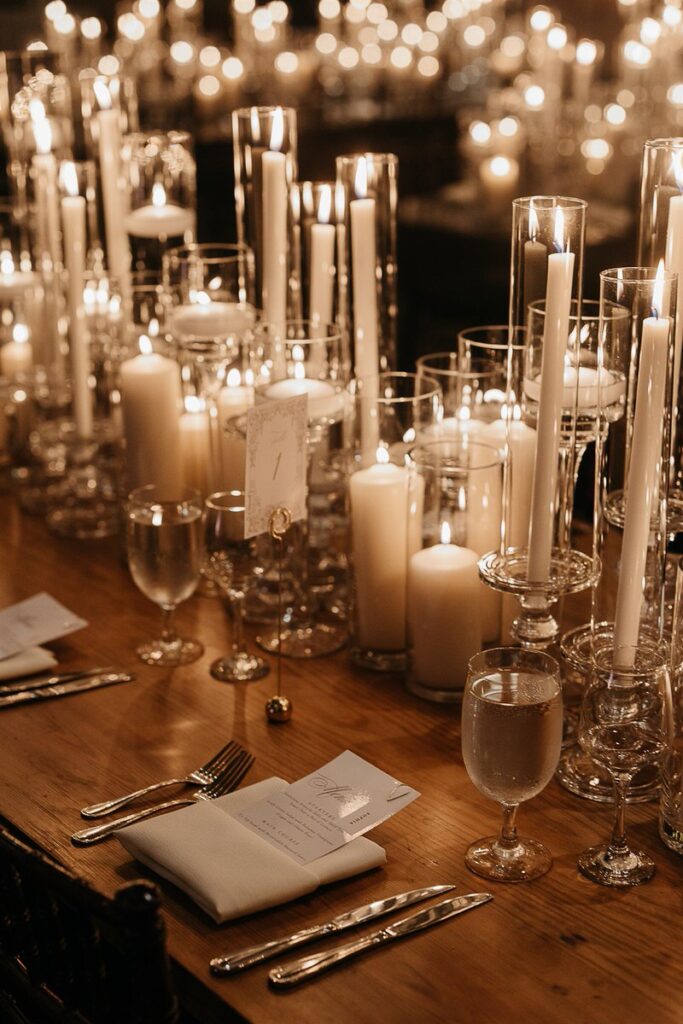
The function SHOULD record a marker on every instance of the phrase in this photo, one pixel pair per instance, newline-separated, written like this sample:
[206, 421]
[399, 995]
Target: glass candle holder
[314, 238]
[161, 186]
[473, 391]
[386, 415]
[661, 238]
[547, 254]
[367, 201]
[671, 792]
[265, 154]
[458, 483]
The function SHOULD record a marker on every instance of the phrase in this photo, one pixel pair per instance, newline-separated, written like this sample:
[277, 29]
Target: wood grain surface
[556, 950]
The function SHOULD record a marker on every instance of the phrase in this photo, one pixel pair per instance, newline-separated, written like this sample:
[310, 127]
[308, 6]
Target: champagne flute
[511, 740]
[229, 562]
[623, 727]
[165, 557]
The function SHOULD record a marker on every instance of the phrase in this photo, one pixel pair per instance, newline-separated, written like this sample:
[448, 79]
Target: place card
[35, 621]
[328, 808]
[276, 462]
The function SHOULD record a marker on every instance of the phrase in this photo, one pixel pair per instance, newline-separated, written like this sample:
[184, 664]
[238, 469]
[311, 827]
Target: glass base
[527, 860]
[569, 572]
[178, 652]
[431, 693]
[240, 668]
[615, 868]
[304, 641]
[578, 645]
[379, 661]
[579, 774]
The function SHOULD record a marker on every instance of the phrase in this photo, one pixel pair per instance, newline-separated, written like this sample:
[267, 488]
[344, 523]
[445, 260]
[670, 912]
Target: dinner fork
[202, 776]
[227, 781]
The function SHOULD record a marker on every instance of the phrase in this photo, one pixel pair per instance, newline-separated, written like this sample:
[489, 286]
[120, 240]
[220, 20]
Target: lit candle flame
[277, 130]
[533, 222]
[325, 204]
[6, 262]
[42, 134]
[20, 333]
[361, 180]
[102, 94]
[658, 291]
[158, 195]
[145, 345]
[193, 404]
[234, 378]
[382, 456]
[299, 371]
[445, 533]
[559, 231]
[68, 178]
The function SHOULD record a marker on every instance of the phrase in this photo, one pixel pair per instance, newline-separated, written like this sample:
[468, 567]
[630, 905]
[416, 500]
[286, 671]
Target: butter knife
[20, 685]
[308, 966]
[64, 689]
[264, 951]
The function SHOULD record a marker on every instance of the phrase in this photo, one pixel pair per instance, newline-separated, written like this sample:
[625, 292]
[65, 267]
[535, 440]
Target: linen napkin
[229, 870]
[25, 663]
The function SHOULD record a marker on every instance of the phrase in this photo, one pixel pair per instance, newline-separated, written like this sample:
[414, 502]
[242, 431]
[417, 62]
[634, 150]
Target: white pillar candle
[642, 484]
[159, 219]
[364, 277]
[557, 305]
[73, 222]
[16, 356]
[274, 174]
[151, 402]
[483, 523]
[384, 535]
[195, 450]
[444, 614]
[118, 254]
[211, 320]
[323, 401]
[232, 401]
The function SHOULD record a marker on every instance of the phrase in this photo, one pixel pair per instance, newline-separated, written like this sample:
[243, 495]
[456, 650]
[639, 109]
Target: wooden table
[556, 950]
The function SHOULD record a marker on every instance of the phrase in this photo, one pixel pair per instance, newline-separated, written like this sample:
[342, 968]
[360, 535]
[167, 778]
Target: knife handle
[265, 950]
[308, 966]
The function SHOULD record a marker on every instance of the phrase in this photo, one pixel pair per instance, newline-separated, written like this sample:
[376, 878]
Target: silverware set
[220, 775]
[309, 966]
[62, 684]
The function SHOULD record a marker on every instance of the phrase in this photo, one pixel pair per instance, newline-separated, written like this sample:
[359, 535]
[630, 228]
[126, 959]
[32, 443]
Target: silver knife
[265, 950]
[309, 966]
[20, 685]
[64, 689]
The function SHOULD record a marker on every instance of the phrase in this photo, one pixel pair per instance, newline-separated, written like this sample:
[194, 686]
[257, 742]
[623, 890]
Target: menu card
[34, 621]
[328, 808]
[276, 462]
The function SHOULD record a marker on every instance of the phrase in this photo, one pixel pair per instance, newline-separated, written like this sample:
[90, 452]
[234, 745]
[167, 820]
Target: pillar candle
[384, 536]
[16, 356]
[151, 402]
[642, 484]
[444, 614]
[323, 401]
[558, 302]
[232, 401]
[195, 451]
[73, 221]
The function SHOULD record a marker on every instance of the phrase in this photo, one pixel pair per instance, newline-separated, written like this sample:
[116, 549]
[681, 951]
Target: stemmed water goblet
[623, 728]
[228, 563]
[165, 557]
[511, 738]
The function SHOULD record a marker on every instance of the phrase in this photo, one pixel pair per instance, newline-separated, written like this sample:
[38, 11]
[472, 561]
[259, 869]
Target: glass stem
[508, 833]
[618, 841]
[168, 631]
[238, 624]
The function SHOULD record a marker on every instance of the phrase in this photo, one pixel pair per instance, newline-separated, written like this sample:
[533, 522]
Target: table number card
[276, 462]
[328, 808]
[37, 620]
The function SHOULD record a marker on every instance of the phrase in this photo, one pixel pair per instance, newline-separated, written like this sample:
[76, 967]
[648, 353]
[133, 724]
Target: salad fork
[202, 776]
[227, 781]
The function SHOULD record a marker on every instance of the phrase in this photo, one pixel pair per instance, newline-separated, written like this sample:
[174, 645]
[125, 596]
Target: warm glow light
[445, 533]
[382, 456]
[615, 114]
[387, 31]
[208, 85]
[674, 94]
[371, 53]
[243, 6]
[534, 96]
[557, 37]
[6, 262]
[474, 36]
[508, 127]
[234, 378]
[261, 18]
[68, 178]
[55, 9]
[480, 132]
[145, 345]
[209, 56]
[37, 45]
[348, 57]
[91, 28]
[437, 22]
[671, 16]
[325, 204]
[637, 53]
[650, 31]
[42, 133]
[65, 24]
[102, 94]
[20, 333]
[540, 19]
[329, 9]
[658, 290]
[533, 222]
[130, 27]
[411, 34]
[401, 57]
[360, 183]
[286, 62]
[194, 404]
[677, 169]
[428, 66]
[149, 8]
[453, 9]
[158, 195]
[626, 98]
[429, 43]
[108, 65]
[182, 52]
[558, 236]
[512, 46]
[279, 11]
[500, 166]
[233, 68]
[376, 13]
[596, 149]
[586, 52]
[326, 43]
[277, 130]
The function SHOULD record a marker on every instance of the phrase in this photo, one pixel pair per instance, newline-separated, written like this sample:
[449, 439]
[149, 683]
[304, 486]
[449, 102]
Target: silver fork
[202, 776]
[229, 779]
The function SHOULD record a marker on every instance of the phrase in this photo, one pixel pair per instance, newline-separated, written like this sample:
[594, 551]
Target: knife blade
[20, 685]
[234, 962]
[309, 966]
[65, 689]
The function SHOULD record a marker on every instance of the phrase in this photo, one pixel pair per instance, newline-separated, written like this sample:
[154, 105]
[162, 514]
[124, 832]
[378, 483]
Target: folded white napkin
[229, 870]
[25, 663]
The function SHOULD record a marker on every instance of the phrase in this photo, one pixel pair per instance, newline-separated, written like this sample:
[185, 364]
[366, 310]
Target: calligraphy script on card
[276, 462]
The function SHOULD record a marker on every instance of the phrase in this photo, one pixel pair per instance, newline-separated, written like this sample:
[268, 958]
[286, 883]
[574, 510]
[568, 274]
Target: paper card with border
[328, 808]
[37, 620]
[276, 462]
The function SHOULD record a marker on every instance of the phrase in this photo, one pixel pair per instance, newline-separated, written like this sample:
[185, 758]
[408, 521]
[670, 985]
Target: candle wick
[655, 313]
